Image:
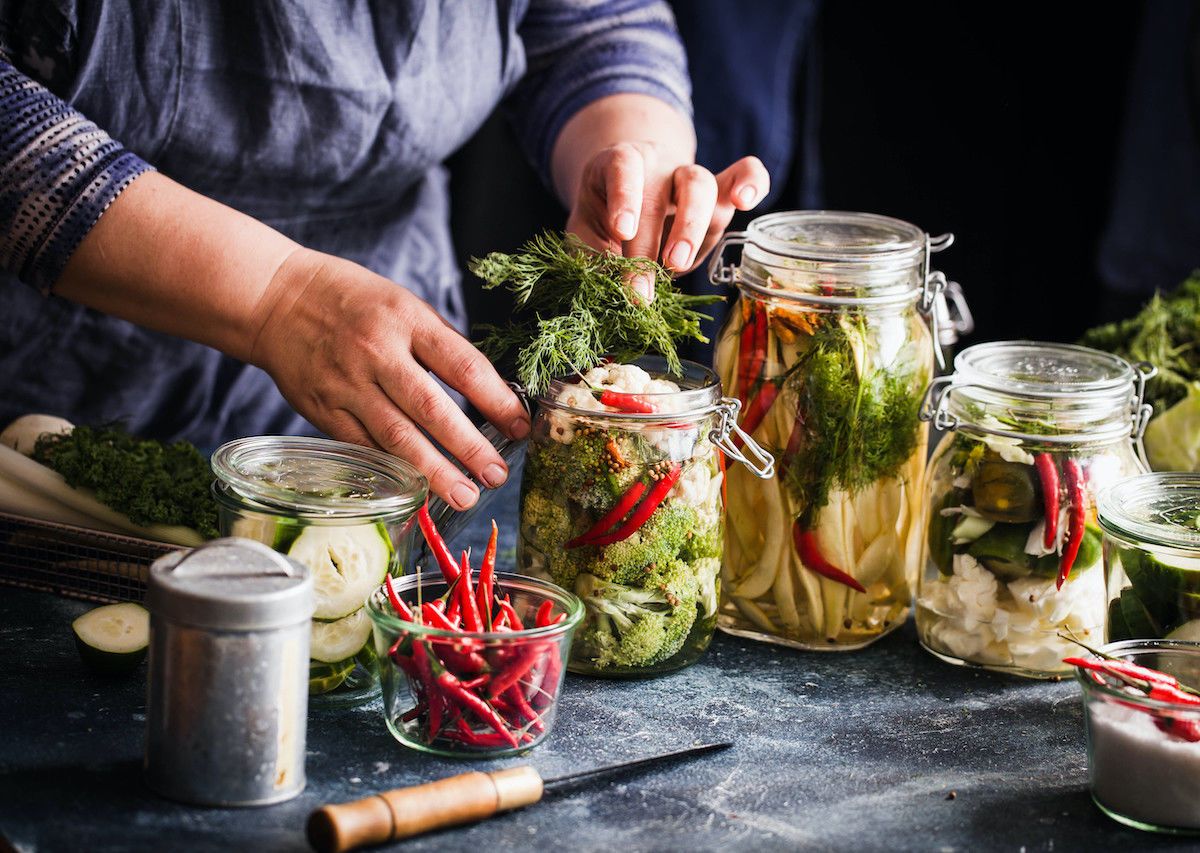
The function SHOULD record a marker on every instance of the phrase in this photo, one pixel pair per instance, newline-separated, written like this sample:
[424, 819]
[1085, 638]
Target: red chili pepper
[436, 618]
[477, 682]
[747, 372]
[514, 620]
[792, 449]
[1185, 728]
[517, 670]
[630, 403]
[414, 712]
[402, 660]
[435, 700]
[645, 509]
[757, 410]
[487, 579]
[452, 606]
[525, 709]
[1048, 474]
[466, 598]
[1127, 667]
[1075, 520]
[402, 609]
[548, 688]
[460, 658]
[811, 557]
[452, 688]
[441, 551]
[623, 505]
[1160, 689]
[543, 613]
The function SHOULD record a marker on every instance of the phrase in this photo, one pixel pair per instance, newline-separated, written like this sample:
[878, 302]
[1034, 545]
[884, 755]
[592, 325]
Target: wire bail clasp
[727, 433]
[934, 404]
[720, 272]
[1141, 410]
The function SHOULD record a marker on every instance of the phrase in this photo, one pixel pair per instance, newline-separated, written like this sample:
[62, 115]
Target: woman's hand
[352, 352]
[625, 167]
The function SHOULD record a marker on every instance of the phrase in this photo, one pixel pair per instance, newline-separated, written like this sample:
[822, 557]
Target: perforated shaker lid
[230, 584]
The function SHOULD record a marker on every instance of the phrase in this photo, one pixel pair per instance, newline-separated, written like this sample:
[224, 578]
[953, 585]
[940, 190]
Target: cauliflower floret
[660, 386]
[627, 378]
[974, 589]
[562, 425]
[693, 485]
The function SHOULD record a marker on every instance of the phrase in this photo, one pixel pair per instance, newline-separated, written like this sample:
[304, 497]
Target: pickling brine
[829, 354]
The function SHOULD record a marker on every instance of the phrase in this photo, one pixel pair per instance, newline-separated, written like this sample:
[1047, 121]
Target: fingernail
[626, 226]
[747, 195]
[463, 496]
[495, 475]
[681, 254]
[519, 428]
[643, 287]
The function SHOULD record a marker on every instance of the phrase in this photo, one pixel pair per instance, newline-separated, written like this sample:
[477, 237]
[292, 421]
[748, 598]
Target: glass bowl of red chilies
[472, 664]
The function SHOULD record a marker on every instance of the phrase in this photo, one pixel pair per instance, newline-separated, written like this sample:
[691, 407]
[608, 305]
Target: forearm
[170, 259]
[651, 124]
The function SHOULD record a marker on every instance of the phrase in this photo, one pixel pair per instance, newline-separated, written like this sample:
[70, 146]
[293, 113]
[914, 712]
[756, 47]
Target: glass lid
[1155, 509]
[319, 476]
[833, 235]
[1037, 369]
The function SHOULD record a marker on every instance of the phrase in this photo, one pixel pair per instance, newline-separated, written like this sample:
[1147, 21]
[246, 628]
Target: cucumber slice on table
[335, 641]
[113, 638]
[347, 563]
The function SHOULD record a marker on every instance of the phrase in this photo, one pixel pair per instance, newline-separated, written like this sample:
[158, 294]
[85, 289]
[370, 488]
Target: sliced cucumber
[113, 638]
[347, 564]
[336, 641]
[323, 677]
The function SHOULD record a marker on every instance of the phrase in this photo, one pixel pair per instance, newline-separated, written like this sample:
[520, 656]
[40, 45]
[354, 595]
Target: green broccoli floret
[594, 469]
[639, 626]
[702, 544]
[657, 544]
[545, 526]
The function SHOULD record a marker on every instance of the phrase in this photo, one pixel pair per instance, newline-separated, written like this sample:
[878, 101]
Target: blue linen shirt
[328, 121]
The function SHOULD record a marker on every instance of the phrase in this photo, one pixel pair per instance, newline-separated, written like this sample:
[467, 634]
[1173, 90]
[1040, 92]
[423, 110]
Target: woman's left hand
[635, 200]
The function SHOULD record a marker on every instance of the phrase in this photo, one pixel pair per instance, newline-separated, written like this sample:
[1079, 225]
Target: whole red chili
[630, 403]
[757, 410]
[1159, 689]
[529, 658]
[543, 613]
[813, 560]
[632, 495]
[1048, 474]
[441, 551]
[1076, 519]
[644, 510]
[506, 605]
[487, 579]
[402, 609]
[747, 352]
[452, 688]
[524, 709]
[466, 598]
[425, 673]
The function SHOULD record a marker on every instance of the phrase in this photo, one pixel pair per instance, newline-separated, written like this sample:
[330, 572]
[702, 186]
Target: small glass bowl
[1144, 754]
[483, 656]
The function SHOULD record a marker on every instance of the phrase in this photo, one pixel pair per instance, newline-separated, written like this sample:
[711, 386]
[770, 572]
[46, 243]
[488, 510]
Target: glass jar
[622, 504]
[829, 350]
[1143, 753]
[1151, 530]
[343, 511]
[1034, 432]
[414, 707]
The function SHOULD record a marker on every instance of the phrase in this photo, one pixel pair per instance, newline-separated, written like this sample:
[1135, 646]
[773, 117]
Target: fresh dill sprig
[574, 307]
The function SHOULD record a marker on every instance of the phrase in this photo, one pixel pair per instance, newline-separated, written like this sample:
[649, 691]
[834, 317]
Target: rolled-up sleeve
[58, 173]
[581, 50]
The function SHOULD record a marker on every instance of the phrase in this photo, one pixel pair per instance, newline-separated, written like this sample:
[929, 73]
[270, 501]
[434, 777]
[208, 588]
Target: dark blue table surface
[884, 749]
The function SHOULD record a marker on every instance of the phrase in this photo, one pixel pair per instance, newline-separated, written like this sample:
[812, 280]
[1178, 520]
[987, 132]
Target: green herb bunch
[1166, 333]
[856, 429]
[574, 307]
[151, 482]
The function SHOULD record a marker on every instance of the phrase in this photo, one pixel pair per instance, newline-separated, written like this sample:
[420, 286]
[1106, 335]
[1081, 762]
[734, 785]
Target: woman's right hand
[353, 352]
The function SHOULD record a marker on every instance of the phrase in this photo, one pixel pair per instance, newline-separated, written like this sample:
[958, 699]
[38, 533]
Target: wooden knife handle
[410, 811]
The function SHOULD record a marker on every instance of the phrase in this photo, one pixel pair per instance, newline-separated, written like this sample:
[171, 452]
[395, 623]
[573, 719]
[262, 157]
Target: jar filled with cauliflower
[622, 503]
[1015, 567]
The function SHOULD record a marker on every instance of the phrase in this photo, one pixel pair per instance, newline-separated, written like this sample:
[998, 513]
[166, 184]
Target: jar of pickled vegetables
[1034, 432]
[622, 503]
[344, 511]
[829, 350]
[1151, 530]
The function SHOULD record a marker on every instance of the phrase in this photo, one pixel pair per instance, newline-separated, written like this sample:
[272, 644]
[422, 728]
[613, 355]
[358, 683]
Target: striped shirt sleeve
[581, 50]
[58, 173]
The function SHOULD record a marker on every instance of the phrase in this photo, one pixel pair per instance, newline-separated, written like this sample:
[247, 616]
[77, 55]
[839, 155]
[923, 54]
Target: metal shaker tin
[228, 693]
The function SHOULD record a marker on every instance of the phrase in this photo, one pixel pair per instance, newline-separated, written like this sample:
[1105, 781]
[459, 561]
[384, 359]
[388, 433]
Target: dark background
[997, 122]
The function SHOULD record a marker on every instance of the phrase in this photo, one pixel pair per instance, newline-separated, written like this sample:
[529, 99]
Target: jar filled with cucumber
[829, 350]
[1034, 431]
[1151, 530]
[345, 512]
